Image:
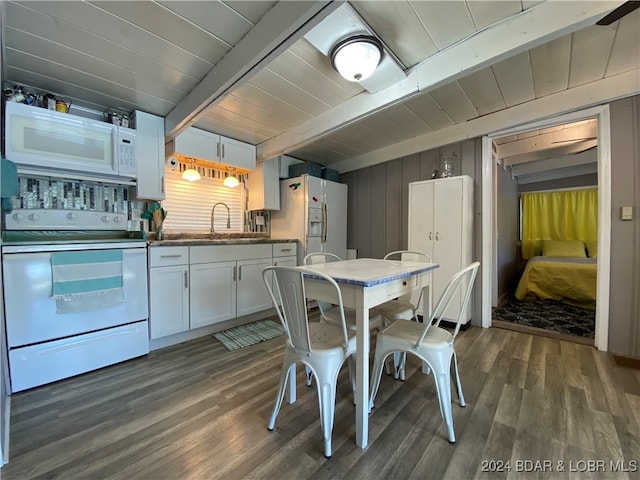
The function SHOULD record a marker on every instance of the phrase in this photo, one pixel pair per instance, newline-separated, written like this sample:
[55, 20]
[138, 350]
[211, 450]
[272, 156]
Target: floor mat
[547, 314]
[250, 334]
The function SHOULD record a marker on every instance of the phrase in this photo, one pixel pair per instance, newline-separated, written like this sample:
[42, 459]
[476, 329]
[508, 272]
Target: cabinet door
[150, 156]
[448, 234]
[197, 143]
[252, 293]
[264, 186]
[213, 293]
[238, 154]
[421, 211]
[168, 300]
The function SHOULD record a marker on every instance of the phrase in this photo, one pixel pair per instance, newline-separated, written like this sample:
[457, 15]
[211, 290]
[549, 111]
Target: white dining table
[365, 283]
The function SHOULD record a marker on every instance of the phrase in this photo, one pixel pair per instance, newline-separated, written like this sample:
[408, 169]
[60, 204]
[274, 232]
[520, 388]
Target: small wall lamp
[231, 180]
[191, 174]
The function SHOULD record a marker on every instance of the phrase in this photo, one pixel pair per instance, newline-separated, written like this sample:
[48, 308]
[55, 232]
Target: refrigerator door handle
[324, 222]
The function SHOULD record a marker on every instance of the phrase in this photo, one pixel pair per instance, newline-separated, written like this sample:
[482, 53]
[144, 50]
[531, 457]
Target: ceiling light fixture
[191, 174]
[357, 57]
[231, 181]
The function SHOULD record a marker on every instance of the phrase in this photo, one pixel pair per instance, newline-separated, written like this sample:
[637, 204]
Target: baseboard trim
[626, 362]
[542, 332]
[4, 447]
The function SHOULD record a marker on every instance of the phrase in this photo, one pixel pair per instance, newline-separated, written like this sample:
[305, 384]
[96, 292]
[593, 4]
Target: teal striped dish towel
[87, 280]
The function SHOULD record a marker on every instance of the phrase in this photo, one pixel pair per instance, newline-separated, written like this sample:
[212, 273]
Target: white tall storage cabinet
[441, 225]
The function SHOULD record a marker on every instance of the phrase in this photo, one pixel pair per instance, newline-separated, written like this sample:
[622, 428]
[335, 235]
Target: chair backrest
[408, 256]
[464, 279]
[320, 257]
[315, 258]
[287, 291]
[414, 297]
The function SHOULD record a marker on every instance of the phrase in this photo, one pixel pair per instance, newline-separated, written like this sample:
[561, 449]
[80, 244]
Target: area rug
[547, 314]
[249, 334]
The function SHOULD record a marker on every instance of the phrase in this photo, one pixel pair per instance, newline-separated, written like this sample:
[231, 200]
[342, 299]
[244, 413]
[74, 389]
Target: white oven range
[46, 346]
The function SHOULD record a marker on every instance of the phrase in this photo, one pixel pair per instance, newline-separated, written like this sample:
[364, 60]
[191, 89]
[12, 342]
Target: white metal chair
[322, 347]
[329, 313]
[406, 306]
[431, 343]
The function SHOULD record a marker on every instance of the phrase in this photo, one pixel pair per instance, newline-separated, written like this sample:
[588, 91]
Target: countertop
[188, 239]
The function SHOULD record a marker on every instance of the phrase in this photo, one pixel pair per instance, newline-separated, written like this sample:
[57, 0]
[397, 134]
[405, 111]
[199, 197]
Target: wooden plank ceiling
[244, 69]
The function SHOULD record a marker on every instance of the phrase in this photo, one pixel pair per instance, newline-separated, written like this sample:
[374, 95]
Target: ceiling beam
[567, 172]
[552, 151]
[549, 140]
[612, 88]
[274, 33]
[565, 161]
[539, 24]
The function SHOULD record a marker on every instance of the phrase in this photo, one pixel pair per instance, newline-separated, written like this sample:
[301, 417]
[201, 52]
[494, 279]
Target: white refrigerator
[313, 211]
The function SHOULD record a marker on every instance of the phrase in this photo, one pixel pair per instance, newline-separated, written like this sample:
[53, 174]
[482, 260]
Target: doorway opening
[577, 135]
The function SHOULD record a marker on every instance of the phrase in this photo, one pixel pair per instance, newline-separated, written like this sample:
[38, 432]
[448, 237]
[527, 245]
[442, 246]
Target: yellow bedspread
[568, 280]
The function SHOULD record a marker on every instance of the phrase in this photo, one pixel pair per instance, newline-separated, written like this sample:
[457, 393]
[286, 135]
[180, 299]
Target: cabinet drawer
[284, 249]
[167, 256]
[224, 253]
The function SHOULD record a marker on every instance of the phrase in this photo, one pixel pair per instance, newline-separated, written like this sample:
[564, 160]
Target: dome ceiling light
[341, 33]
[357, 57]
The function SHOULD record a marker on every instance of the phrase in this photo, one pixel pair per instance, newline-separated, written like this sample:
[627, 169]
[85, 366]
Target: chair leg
[292, 384]
[376, 374]
[280, 395]
[351, 364]
[458, 384]
[327, 400]
[387, 368]
[443, 386]
[399, 362]
[309, 375]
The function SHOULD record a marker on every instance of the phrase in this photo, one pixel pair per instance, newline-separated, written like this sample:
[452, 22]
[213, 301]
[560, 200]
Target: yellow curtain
[566, 215]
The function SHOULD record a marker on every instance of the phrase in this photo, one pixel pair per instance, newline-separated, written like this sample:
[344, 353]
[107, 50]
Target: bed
[568, 279]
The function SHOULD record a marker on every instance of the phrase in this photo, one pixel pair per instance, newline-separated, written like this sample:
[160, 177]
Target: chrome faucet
[228, 215]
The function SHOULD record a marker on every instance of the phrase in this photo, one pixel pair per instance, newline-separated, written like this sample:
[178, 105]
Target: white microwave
[50, 140]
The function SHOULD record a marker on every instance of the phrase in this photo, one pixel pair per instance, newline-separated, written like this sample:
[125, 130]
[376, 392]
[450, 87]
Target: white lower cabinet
[168, 291]
[252, 295]
[213, 293]
[197, 286]
[285, 254]
[226, 281]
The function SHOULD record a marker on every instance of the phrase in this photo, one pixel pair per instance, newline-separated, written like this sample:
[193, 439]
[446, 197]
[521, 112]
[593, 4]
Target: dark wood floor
[196, 411]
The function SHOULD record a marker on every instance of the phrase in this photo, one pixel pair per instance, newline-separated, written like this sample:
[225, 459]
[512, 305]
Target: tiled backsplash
[40, 192]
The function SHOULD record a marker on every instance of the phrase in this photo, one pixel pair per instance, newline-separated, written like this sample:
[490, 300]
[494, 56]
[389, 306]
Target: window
[558, 215]
[189, 204]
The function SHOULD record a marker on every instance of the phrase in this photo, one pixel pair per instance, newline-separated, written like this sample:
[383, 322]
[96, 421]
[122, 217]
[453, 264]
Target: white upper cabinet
[208, 146]
[238, 154]
[264, 185]
[149, 156]
[197, 143]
